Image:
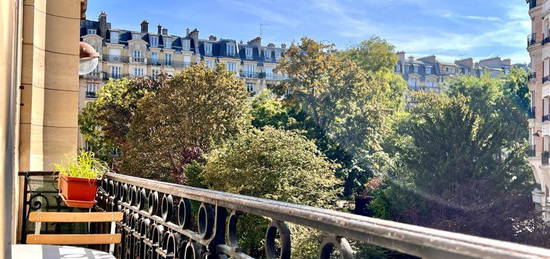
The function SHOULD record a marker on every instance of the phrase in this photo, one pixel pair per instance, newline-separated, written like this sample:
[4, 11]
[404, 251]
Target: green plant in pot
[78, 179]
[545, 157]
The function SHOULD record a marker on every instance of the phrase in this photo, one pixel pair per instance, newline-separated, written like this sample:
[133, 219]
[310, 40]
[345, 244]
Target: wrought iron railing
[546, 117]
[157, 224]
[531, 114]
[532, 4]
[532, 76]
[39, 193]
[545, 79]
[91, 94]
[531, 39]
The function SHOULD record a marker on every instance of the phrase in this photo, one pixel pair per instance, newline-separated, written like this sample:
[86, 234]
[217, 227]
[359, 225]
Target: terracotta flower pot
[77, 189]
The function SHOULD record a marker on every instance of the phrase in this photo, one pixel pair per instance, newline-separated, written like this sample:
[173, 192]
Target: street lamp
[89, 58]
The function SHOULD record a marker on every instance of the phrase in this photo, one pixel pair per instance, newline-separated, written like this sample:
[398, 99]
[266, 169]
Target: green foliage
[105, 122]
[463, 160]
[266, 110]
[84, 165]
[372, 55]
[175, 125]
[346, 109]
[273, 164]
[515, 86]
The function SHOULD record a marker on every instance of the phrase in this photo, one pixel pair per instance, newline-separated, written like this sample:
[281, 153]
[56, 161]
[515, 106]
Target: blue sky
[450, 29]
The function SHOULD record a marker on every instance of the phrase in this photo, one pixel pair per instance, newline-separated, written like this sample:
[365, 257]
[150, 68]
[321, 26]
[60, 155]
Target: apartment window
[154, 41]
[168, 59]
[447, 69]
[92, 31]
[185, 45]
[137, 55]
[412, 83]
[210, 63]
[115, 71]
[231, 66]
[250, 87]
[155, 57]
[208, 49]
[250, 70]
[248, 52]
[138, 71]
[91, 90]
[267, 54]
[416, 69]
[114, 37]
[155, 73]
[230, 48]
[186, 61]
[430, 84]
[398, 68]
[269, 72]
[167, 43]
[428, 70]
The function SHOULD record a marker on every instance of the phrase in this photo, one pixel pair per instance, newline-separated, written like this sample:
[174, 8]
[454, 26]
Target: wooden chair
[75, 239]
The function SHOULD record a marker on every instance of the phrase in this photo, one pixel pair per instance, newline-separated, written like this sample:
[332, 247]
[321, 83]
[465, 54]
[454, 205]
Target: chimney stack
[144, 26]
[164, 31]
[411, 59]
[103, 25]
[212, 38]
[186, 31]
[283, 46]
[159, 29]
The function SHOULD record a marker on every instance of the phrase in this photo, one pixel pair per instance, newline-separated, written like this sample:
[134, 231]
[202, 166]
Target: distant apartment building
[128, 54]
[538, 46]
[428, 73]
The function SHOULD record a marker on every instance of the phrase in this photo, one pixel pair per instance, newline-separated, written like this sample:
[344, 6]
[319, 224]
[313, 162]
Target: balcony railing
[137, 59]
[157, 224]
[545, 79]
[531, 39]
[116, 58]
[252, 74]
[172, 63]
[532, 113]
[532, 76]
[532, 4]
[532, 151]
[91, 94]
[94, 75]
[546, 117]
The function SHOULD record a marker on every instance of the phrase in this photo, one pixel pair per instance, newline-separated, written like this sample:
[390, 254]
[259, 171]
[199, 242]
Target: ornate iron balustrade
[532, 151]
[39, 193]
[157, 224]
[531, 39]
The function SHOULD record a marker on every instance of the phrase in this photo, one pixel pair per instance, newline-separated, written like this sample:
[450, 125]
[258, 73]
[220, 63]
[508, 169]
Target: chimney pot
[212, 38]
[283, 46]
[164, 31]
[159, 29]
[144, 26]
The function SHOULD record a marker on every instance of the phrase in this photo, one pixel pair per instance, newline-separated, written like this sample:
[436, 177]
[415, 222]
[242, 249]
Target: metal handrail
[410, 239]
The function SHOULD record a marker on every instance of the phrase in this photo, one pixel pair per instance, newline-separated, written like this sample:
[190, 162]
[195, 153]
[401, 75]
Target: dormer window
[267, 54]
[135, 36]
[92, 31]
[168, 43]
[208, 49]
[185, 44]
[154, 41]
[230, 49]
[248, 53]
[416, 69]
[428, 70]
[277, 55]
[114, 37]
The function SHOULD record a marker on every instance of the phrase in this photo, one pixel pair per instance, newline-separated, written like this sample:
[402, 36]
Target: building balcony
[531, 39]
[115, 58]
[252, 74]
[137, 60]
[532, 76]
[545, 79]
[93, 76]
[90, 94]
[532, 4]
[175, 64]
[546, 38]
[546, 118]
[531, 113]
[165, 220]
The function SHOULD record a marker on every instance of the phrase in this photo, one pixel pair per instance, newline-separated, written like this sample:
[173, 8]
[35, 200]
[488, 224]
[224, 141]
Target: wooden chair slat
[37, 216]
[73, 239]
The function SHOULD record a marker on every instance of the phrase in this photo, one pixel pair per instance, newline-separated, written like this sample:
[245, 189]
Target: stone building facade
[539, 85]
[428, 73]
